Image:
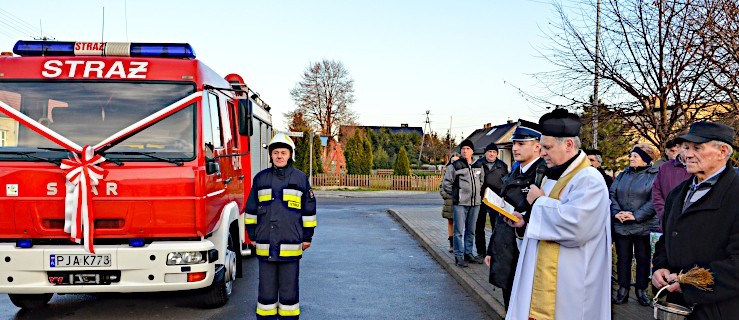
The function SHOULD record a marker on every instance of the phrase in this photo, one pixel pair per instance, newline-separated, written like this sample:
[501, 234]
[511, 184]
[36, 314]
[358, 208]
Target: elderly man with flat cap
[701, 225]
[564, 267]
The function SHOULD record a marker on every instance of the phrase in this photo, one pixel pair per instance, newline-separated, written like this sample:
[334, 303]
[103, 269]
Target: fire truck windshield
[89, 112]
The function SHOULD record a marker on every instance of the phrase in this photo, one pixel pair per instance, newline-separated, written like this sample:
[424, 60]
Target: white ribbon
[82, 175]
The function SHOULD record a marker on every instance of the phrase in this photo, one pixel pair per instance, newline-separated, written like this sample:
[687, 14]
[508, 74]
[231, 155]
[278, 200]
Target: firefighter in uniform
[502, 253]
[280, 219]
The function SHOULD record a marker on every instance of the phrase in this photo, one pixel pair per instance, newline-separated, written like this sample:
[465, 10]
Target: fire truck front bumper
[158, 266]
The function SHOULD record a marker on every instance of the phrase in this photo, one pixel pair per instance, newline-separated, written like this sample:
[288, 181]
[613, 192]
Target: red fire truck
[125, 168]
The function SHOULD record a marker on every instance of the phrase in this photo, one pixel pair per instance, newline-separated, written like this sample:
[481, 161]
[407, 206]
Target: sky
[463, 61]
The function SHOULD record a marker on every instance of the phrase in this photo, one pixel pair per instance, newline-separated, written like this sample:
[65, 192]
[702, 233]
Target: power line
[7, 34]
[25, 25]
[18, 31]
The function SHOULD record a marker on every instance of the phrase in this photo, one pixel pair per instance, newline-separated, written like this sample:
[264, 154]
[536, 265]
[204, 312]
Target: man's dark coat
[705, 234]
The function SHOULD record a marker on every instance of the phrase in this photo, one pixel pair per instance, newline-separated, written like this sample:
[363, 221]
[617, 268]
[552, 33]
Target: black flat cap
[704, 131]
[593, 152]
[560, 123]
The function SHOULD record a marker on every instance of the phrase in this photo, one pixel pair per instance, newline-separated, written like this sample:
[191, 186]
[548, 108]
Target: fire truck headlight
[188, 257]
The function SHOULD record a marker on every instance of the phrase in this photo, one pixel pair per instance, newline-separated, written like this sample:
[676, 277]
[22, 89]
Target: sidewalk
[429, 229]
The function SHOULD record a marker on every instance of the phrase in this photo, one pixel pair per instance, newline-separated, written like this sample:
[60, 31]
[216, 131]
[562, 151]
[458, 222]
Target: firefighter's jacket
[280, 213]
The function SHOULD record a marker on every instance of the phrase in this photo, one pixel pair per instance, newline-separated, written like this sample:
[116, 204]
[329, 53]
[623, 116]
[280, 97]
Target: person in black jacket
[502, 250]
[494, 170]
[596, 160]
[280, 217]
[701, 226]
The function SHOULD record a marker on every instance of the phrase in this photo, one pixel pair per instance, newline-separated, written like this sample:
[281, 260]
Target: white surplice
[580, 222]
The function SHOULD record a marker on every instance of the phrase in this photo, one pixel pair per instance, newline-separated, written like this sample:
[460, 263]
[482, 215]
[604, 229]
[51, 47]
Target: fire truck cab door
[216, 170]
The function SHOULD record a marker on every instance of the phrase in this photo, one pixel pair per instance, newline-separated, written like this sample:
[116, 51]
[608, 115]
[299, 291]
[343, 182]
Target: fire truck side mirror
[245, 118]
[212, 166]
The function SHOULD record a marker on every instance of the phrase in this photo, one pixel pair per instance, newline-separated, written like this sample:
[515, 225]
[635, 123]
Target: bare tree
[297, 122]
[718, 26]
[324, 96]
[652, 67]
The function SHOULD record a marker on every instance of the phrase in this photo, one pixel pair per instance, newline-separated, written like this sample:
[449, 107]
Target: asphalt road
[362, 265]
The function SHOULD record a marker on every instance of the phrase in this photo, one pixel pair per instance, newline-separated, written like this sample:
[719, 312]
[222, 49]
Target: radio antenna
[125, 15]
[102, 34]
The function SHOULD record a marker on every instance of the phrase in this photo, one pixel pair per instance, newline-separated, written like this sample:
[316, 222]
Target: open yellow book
[498, 204]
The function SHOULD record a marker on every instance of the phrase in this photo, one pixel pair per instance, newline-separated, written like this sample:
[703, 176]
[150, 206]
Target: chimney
[404, 125]
[487, 125]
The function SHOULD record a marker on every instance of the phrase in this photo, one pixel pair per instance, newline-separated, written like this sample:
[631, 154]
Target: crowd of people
[553, 261]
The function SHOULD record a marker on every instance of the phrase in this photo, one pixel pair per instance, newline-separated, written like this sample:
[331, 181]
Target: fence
[388, 182]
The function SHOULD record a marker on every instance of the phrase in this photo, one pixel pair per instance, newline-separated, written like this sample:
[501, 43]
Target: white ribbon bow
[82, 175]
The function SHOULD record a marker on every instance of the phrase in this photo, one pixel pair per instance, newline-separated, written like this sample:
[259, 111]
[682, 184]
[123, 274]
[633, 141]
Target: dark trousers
[480, 241]
[626, 248]
[278, 290]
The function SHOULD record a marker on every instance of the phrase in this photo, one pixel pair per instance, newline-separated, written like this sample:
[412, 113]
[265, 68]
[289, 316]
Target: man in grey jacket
[463, 180]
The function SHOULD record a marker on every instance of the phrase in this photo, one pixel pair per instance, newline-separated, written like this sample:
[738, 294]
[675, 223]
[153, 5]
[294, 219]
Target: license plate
[79, 260]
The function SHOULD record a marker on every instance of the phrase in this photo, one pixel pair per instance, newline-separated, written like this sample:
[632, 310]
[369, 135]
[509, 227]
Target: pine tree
[352, 153]
[366, 156]
[317, 162]
[614, 139]
[402, 165]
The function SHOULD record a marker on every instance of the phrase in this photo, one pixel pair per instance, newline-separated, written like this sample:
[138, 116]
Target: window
[255, 147]
[234, 119]
[215, 119]
[207, 130]
[3, 138]
[266, 136]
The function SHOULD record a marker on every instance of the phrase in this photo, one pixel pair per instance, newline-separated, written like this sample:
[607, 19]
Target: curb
[493, 308]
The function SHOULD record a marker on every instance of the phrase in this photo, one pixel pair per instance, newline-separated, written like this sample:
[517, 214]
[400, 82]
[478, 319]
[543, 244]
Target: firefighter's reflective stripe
[264, 195]
[291, 250]
[266, 309]
[252, 219]
[289, 310]
[293, 198]
[309, 221]
[262, 249]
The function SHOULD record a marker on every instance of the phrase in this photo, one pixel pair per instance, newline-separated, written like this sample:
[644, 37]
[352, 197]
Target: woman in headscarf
[633, 218]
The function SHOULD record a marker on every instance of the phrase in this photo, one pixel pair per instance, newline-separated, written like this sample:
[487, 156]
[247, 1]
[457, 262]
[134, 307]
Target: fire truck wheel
[220, 291]
[30, 301]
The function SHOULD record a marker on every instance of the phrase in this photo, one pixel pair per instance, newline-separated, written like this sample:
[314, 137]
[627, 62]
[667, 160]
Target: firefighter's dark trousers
[278, 290]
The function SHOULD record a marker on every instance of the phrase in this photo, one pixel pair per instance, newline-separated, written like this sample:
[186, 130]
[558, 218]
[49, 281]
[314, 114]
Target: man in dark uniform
[494, 170]
[502, 251]
[701, 225]
[280, 219]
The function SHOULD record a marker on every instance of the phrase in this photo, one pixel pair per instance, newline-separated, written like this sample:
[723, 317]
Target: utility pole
[423, 135]
[596, 105]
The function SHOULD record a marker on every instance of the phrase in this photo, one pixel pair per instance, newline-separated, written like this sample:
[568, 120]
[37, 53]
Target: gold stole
[544, 291]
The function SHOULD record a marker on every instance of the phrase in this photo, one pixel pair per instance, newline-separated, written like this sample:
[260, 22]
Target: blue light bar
[43, 48]
[136, 242]
[164, 50]
[116, 49]
[24, 243]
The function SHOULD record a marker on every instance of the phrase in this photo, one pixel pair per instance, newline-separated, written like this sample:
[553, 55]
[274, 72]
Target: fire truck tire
[219, 292]
[30, 301]
[235, 240]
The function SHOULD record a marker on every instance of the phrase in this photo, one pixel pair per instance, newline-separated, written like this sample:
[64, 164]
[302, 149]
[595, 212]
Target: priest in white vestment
[564, 269]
